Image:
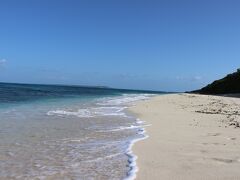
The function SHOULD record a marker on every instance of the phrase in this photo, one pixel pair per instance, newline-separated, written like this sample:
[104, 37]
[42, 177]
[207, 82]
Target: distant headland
[227, 85]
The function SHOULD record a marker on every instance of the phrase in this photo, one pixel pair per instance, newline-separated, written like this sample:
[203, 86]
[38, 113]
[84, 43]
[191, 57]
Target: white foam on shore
[90, 112]
[115, 107]
[124, 99]
[132, 158]
[121, 128]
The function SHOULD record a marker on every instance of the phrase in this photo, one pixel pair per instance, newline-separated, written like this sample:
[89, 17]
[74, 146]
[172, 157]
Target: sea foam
[113, 106]
[132, 158]
[90, 112]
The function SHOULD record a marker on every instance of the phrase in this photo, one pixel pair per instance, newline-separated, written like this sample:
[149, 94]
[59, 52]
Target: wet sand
[190, 137]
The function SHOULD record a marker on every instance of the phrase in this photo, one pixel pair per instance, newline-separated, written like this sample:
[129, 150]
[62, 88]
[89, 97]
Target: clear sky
[173, 45]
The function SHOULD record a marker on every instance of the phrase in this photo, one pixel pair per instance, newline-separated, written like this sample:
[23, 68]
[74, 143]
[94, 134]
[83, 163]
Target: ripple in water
[74, 141]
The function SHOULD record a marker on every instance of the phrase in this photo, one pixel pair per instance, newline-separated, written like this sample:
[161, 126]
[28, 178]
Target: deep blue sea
[67, 132]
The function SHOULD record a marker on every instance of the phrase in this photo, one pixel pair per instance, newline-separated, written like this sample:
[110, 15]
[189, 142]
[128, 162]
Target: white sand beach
[191, 137]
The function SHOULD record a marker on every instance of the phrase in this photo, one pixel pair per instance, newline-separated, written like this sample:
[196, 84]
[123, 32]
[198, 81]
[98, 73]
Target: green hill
[227, 85]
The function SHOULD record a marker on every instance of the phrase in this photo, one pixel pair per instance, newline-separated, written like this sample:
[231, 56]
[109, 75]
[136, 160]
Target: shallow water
[69, 138]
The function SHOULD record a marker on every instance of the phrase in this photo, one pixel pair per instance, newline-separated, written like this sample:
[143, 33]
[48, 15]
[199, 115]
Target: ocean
[68, 132]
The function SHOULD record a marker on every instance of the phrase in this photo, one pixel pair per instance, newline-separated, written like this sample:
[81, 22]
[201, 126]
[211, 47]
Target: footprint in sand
[225, 160]
[213, 134]
[216, 144]
[203, 151]
[231, 138]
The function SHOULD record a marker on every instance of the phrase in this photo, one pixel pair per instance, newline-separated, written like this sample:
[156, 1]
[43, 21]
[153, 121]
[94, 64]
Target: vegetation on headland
[227, 85]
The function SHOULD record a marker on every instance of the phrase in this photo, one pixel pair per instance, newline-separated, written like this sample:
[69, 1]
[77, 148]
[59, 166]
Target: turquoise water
[66, 132]
[17, 93]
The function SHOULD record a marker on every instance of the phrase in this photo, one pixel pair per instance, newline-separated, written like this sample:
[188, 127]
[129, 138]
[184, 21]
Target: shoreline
[190, 137]
[98, 133]
[132, 157]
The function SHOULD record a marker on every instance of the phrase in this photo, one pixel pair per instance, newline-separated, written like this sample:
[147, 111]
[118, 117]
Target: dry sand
[191, 137]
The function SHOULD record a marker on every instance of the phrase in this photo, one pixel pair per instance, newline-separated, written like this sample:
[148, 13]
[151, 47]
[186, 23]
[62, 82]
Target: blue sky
[159, 45]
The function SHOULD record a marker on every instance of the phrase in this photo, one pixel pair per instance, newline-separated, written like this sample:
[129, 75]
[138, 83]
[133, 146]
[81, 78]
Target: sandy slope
[191, 137]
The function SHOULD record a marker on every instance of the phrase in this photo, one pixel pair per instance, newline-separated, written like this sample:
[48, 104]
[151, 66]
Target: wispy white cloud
[194, 78]
[2, 61]
[197, 78]
[180, 78]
